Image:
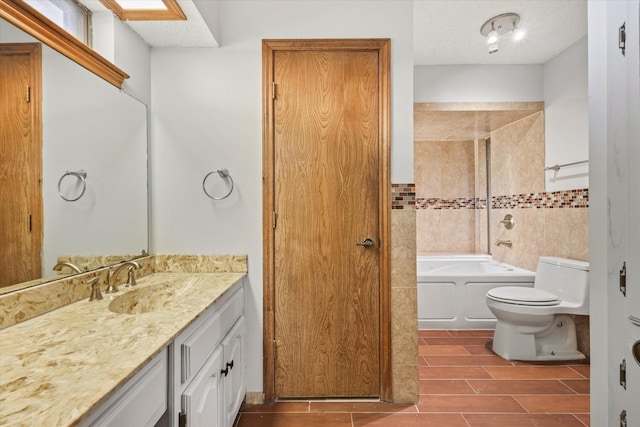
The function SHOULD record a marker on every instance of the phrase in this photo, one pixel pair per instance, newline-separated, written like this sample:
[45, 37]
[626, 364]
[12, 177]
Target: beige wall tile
[567, 233]
[404, 306]
[406, 385]
[404, 325]
[458, 231]
[517, 157]
[429, 232]
[403, 247]
[428, 163]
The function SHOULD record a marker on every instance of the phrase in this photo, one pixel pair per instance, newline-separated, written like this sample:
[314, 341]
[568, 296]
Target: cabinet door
[234, 387]
[201, 401]
[141, 401]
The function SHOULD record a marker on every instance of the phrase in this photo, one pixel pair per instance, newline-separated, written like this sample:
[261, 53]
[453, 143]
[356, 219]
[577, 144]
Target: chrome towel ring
[224, 174]
[81, 175]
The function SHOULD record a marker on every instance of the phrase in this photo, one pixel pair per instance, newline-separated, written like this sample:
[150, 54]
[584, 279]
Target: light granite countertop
[57, 367]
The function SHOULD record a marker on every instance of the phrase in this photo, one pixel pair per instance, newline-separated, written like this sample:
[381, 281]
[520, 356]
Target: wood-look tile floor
[462, 384]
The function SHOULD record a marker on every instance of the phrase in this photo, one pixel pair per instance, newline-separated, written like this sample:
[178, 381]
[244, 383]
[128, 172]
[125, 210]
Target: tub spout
[506, 243]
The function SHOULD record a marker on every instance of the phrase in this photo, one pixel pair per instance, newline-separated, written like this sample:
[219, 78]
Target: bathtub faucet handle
[508, 221]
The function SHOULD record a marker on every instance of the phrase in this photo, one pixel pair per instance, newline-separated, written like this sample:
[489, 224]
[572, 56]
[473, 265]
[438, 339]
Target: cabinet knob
[230, 365]
[225, 371]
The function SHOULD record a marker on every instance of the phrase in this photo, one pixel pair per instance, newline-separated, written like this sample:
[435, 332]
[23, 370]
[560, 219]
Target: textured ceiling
[448, 31]
[193, 32]
[445, 31]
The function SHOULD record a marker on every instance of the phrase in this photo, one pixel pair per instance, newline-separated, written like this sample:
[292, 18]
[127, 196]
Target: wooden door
[326, 201]
[20, 163]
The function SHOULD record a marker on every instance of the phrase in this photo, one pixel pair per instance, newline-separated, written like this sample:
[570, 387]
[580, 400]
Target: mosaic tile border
[404, 197]
[567, 199]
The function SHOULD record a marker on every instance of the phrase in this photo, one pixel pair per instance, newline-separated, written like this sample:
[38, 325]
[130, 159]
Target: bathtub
[452, 289]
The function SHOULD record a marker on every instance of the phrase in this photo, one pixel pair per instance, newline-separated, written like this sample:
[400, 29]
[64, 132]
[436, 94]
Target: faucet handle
[131, 277]
[111, 287]
[95, 288]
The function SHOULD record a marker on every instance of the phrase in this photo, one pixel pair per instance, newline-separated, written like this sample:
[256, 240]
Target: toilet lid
[523, 296]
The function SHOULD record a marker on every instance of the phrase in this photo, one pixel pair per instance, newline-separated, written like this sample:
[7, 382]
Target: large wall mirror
[88, 127]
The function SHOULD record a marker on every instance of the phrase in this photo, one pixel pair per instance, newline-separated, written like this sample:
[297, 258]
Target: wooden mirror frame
[34, 23]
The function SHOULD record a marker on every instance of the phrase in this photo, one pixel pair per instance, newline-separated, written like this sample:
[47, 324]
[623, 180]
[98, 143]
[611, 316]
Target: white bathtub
[452, 289]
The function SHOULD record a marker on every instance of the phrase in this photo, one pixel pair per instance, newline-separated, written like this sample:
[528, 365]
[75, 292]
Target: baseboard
[254, 398]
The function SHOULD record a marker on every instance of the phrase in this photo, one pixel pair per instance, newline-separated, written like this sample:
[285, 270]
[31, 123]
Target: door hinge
[182, 419]
[274, 219]
[30, 223]
[273, 90]
[623, 373]
[622, 37]
[623, 279]
[27, 96]
[275, 349]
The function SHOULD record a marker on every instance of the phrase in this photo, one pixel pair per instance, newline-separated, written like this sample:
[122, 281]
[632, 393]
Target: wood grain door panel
[20, 163]
[326, 153]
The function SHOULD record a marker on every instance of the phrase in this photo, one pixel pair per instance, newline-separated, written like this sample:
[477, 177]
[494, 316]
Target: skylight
[145, 10]
[142, 4]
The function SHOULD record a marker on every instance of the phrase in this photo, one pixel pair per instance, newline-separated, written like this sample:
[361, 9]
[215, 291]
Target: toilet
[535, 323]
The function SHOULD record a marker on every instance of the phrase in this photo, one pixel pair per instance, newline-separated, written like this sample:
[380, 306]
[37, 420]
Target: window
[68, 14]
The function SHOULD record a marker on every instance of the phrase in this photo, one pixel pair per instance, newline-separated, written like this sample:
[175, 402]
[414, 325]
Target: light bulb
[518, 34]
[492, 38]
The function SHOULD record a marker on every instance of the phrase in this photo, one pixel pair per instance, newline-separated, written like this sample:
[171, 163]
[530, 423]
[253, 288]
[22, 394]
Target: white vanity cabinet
[141, 402]
[208, 364]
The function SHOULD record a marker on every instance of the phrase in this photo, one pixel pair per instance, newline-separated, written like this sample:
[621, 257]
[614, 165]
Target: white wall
[118, 43]
[207, 114]
[478, 83]
[567, 118]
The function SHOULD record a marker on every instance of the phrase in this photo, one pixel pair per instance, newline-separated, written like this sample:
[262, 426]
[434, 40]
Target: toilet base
[553, 341]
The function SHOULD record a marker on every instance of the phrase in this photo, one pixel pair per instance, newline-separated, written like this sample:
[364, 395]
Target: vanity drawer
[200, 344]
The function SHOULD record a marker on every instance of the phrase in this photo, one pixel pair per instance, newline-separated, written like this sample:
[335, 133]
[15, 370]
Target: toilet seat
[523, 296]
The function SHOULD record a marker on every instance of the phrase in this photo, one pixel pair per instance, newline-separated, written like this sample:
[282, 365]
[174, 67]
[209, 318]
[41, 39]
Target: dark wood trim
[34, 23]
[386, 370]
[268, 235]
[269, 47]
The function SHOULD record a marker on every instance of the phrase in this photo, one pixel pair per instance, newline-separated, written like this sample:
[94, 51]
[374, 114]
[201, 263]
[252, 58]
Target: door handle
[367, 243]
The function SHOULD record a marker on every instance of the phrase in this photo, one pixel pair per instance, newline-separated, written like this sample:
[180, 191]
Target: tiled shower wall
[450, 198]
[553, 224]
[451, 194]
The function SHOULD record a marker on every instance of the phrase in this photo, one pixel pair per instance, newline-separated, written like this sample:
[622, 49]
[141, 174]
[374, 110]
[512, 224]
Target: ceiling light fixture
[500, 25]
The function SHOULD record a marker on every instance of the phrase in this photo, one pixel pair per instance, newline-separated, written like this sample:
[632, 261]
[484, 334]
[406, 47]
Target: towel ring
[81, 175]
[224, 174]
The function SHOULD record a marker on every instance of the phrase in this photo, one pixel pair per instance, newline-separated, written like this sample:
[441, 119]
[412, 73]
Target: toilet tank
[566, 278]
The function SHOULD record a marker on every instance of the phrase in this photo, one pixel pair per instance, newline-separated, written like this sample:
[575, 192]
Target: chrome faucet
[506, 243]
[60, 265]
[112, 274]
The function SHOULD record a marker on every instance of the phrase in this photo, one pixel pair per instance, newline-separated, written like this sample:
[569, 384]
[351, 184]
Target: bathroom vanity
[179, 361]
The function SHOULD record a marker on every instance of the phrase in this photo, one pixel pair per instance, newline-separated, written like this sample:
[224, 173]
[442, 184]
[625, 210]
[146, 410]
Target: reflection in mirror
[87, 125]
